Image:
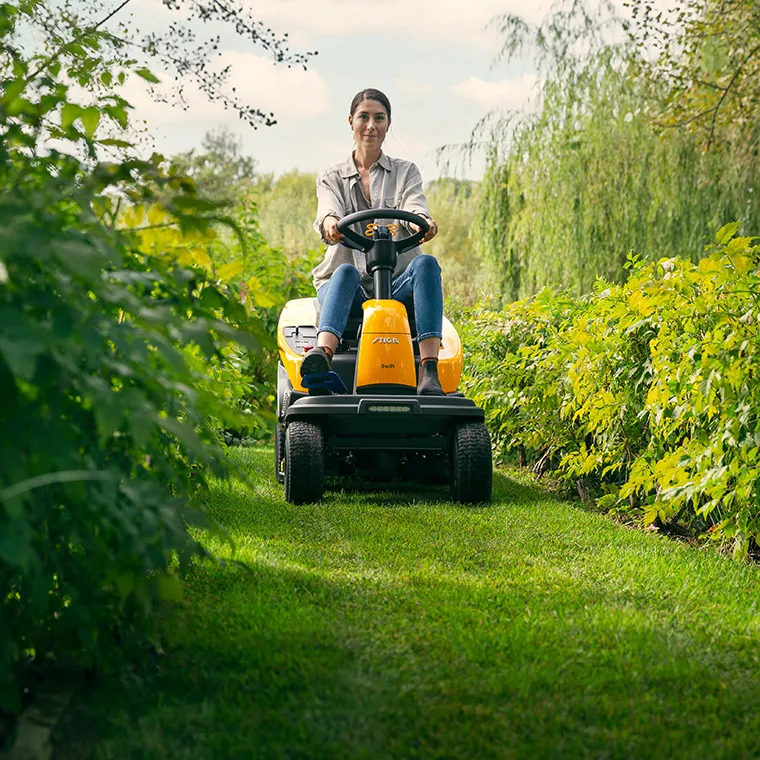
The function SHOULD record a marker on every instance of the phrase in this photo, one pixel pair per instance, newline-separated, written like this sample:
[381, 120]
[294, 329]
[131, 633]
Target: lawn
[395, 624]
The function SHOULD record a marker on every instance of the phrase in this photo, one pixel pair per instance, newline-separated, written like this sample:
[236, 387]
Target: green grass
[397, 625]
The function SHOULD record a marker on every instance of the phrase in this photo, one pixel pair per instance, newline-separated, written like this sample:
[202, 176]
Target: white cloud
[288, 93]
[516, 94]
[443, 20]
[408, 87]
[402, 142]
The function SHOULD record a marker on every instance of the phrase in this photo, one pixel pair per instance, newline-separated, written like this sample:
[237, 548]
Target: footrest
[323, 381]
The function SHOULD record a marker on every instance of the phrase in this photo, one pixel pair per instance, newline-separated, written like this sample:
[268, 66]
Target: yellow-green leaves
[227, 272]
[726, 232]
[258, 294]
[157, 233]
[652, 383]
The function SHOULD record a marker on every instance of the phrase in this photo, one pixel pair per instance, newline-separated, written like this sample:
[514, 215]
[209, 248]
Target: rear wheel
[471, 466]
[304, 462]
[279, 453]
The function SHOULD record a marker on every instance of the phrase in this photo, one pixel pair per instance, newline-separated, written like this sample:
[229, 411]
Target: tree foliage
[116, 332]
[453, 204]
[66, 32]
[287, 207]
[706, 64]
[570, 190]
[220, 168]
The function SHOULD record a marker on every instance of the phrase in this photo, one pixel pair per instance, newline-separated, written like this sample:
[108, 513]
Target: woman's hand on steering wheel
[430, 234]
[331, 231]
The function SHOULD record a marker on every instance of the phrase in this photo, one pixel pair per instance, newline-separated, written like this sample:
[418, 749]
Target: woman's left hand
[430, 234]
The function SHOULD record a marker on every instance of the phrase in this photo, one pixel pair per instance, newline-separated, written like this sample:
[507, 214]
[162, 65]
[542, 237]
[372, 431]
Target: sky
[433, 58]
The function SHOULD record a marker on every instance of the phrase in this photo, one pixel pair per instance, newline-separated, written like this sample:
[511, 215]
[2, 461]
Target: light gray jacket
[393, 183]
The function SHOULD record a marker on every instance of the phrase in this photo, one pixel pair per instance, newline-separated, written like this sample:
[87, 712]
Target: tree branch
[31, 77]
[731, 83]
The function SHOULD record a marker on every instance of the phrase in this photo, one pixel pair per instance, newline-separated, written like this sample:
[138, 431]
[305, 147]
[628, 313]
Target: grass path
[398, 625]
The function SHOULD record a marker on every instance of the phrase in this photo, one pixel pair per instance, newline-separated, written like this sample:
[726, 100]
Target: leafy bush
[648, 388]
[112, 361]
[267, 277]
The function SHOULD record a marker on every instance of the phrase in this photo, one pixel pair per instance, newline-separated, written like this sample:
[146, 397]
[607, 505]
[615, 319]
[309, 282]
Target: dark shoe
[428, 383]
[316, 360]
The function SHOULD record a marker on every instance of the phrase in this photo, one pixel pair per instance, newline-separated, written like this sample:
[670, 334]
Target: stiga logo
[386, 341]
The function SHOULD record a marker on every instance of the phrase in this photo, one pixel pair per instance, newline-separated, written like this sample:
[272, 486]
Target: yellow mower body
[383, 356]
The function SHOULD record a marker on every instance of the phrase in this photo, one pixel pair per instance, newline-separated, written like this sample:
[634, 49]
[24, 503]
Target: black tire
[471, 466]
[279, 453]
[304, 462]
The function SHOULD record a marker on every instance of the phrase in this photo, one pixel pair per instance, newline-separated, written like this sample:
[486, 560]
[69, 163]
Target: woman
[371, 179]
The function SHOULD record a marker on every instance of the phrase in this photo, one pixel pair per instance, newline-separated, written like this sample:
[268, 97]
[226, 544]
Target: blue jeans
[418, 287]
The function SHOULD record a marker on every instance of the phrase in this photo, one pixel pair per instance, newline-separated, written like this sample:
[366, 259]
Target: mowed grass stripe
[395, 624]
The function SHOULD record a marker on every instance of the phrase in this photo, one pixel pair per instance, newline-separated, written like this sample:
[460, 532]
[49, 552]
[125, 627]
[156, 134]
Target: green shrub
[648, 388]
[268, 277]
[112, 367]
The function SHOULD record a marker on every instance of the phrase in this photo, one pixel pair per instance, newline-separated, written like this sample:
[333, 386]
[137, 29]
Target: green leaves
[726, 232]
[21, 344]
[649, 387]
[69, 114]
[147, 75]
[128, 340]
[12, 89]
[120, 355]
[89, 118]
[126, 344]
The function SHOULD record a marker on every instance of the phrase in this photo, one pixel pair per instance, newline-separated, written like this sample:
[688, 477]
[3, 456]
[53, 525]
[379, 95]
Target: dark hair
[371, 94]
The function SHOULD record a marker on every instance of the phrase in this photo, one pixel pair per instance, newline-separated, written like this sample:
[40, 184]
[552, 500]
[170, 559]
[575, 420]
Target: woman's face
[369, 123]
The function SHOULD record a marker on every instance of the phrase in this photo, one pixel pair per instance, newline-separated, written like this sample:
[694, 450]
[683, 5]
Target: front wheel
[304, 462]
[471, 466]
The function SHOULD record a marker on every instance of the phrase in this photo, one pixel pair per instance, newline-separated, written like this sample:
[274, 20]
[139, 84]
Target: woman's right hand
[330, 228]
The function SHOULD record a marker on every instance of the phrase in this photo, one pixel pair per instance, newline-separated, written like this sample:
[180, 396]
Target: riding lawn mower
[364, 418]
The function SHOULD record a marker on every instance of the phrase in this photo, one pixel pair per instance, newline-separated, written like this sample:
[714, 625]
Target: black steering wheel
[353, 240]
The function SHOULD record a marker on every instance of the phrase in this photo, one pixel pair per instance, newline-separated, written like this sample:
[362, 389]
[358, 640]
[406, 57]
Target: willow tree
[573, 189]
